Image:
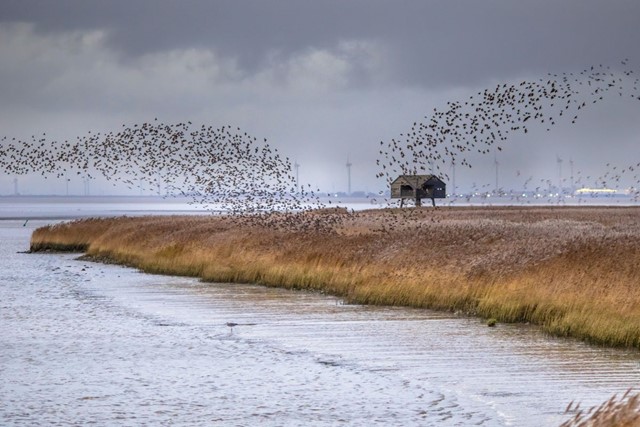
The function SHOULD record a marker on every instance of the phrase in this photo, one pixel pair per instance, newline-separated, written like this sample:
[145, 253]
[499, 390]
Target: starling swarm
[222, 169]
[483, 122]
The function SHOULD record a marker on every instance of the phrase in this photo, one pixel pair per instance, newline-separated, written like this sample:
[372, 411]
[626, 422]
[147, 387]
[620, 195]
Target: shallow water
[85, 343]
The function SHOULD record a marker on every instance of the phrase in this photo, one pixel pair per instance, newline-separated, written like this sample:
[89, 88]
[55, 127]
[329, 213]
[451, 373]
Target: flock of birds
[225, 169]
[483, 122]
[222, 169]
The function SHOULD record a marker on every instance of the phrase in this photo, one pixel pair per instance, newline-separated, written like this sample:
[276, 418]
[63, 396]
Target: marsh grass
[573, 271]
[615, 412]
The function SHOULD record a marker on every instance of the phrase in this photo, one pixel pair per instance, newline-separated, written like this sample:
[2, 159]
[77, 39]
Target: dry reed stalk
[574, 271]
[615, 412]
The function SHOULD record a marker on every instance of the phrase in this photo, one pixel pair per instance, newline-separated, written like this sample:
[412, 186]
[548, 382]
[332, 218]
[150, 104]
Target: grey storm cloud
[430, 42]
[323, 80]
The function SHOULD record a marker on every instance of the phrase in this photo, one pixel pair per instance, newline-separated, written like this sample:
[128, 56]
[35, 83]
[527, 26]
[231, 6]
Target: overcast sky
[322, 80]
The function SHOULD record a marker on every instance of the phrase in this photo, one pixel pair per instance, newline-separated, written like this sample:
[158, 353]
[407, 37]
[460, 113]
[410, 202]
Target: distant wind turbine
[453, 177]
[495, 161]
[349, 164]
[559, 160]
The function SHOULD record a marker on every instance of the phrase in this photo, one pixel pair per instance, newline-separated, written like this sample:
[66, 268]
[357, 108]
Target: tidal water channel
[86, 343]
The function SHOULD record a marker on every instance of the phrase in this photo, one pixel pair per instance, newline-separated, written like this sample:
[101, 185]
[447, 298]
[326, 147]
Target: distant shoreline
[62, 207]
[93, 198]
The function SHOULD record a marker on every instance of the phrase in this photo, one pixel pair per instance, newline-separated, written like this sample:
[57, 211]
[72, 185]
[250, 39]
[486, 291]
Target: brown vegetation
[615, 412]
[575, 271]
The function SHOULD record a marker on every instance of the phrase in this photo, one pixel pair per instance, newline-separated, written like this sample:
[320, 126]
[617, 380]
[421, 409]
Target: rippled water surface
[88, 343]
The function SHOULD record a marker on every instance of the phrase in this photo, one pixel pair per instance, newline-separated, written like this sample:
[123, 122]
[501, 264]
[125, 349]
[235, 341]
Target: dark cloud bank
[321, 79]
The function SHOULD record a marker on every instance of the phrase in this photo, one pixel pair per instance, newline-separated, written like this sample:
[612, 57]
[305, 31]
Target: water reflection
[84, 342]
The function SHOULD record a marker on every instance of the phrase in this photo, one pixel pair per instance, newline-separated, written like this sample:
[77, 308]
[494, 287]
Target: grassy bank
[575, 271]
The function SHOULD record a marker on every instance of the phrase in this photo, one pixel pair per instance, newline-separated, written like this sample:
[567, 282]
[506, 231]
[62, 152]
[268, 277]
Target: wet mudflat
[84, 343]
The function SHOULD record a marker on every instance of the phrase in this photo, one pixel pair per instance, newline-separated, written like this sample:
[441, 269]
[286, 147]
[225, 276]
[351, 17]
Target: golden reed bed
[575, 271]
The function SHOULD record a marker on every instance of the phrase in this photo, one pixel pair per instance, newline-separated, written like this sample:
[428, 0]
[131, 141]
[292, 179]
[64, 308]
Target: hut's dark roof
[415, 181]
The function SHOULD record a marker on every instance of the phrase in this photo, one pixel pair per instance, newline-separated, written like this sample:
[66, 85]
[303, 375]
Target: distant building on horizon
[595, 192]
